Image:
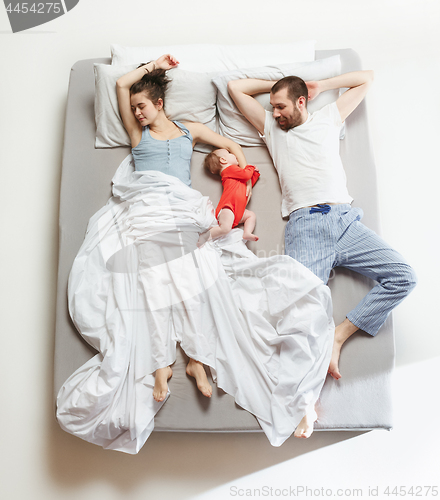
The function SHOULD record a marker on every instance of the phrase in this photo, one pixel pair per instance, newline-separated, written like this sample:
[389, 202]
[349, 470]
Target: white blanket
[139, 285]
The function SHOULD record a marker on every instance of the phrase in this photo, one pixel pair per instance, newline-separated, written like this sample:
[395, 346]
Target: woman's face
[143, 109]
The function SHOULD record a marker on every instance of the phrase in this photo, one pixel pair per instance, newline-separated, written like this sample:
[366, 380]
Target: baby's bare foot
[250, 237]
[195, 369]
[305, 427]
[161, 383]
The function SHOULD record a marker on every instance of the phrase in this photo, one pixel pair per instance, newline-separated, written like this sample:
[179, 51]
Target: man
[323, 230]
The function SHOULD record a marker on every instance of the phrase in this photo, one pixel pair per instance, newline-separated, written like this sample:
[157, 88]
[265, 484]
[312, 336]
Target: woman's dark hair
[154, 84]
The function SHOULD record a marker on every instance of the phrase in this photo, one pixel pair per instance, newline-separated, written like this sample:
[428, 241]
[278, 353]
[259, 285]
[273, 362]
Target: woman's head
[153, 86]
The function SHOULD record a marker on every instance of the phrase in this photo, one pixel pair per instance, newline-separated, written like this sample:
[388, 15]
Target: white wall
[400, 40]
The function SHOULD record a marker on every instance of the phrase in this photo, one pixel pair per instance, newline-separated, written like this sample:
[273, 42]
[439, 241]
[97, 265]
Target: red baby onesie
[234, 179]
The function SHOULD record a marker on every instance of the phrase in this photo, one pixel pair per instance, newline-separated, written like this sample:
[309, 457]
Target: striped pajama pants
[338, 239]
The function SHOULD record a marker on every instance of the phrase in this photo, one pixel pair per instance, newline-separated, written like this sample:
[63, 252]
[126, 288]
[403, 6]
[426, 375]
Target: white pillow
[207, 58]
[235, 126]
[190, 97]
[110, 131]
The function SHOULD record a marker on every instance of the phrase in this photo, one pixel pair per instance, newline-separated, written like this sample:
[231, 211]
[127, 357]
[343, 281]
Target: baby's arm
[242, 174]
[249, 174]
[255, 176]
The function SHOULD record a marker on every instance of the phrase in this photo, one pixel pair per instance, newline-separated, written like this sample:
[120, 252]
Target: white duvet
[140, 284]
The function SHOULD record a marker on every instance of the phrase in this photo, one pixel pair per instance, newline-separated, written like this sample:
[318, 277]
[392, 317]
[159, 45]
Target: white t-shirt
[307, 160]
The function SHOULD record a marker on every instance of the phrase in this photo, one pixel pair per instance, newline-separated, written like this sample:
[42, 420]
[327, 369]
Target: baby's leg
[249, 219]
[161, 383]
[225, 220]
[195, 369]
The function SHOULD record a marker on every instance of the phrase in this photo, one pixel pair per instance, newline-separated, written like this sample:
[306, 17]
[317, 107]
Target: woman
[141, 283]
[141, 98]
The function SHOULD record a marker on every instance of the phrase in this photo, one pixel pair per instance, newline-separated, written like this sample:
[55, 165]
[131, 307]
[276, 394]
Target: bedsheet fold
[140, 284]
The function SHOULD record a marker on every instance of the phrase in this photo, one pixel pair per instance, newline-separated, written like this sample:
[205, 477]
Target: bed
[361, 400]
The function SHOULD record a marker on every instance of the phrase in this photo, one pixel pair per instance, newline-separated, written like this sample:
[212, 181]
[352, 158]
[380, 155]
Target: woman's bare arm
[123, 85]
[201, 133]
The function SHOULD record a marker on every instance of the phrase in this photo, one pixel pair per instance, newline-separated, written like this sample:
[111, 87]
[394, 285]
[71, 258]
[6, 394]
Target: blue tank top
[172, 157]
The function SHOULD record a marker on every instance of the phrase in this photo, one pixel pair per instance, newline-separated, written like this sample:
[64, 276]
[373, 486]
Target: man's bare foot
[305, 427]
[342, 333]
[333, 368]
[250, 237]
[161, 383]
[195, 369]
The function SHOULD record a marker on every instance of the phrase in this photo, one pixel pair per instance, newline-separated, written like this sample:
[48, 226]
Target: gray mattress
[360, 400]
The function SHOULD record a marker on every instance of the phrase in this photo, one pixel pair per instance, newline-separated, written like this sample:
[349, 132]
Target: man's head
[219, 159]
[288, 98]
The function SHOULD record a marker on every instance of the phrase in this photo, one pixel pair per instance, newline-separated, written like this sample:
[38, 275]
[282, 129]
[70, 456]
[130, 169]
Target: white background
[400, 40]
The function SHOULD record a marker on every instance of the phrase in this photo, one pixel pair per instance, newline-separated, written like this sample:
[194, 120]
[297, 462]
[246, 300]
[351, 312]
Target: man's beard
[290, 122]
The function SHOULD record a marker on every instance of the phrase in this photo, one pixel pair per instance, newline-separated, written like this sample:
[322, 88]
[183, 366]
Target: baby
[231, 209]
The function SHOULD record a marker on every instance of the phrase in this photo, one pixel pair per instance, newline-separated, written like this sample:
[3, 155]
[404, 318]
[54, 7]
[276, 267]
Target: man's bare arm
[242, 92]
[358, 83]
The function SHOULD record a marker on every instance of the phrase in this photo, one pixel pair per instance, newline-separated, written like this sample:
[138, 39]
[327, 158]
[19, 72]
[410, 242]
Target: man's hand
[313, 88]
[357, 82]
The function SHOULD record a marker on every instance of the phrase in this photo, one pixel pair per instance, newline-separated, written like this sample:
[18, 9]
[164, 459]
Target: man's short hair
[296, 88]
[212, 163]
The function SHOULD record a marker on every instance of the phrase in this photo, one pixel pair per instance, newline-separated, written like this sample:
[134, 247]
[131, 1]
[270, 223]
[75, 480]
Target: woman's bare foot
[195, 369]
[250, 237]
[305, 427]
[161, 383]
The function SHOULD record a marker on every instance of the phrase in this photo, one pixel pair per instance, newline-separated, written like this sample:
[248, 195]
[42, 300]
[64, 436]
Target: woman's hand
[167, 61]
[314, 90]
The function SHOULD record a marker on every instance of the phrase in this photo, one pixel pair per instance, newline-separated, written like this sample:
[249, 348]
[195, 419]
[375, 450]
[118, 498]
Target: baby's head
[218, 160]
